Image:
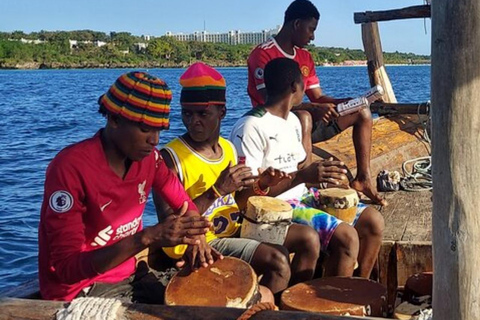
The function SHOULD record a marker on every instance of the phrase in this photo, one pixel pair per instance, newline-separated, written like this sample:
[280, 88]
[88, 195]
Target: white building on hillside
[74, 43]
[22, 40]
[99, 43]
[231, 37]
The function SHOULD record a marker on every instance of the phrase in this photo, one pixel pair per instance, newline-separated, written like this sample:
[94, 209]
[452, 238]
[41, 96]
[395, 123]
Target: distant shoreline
[86, 65]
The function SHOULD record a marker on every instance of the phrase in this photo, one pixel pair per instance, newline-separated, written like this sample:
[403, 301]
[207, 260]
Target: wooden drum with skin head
[229, 282]
[266, 219]
[337, 296]
[340, 203]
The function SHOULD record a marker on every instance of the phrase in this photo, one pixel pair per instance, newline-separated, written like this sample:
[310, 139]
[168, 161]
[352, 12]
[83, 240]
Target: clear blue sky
[155, 17]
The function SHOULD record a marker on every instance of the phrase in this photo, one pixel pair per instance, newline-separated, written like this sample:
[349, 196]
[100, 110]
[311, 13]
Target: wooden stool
[230, 282]
[337, 296]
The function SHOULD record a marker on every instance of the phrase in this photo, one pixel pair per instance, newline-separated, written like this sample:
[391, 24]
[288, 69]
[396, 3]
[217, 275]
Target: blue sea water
[42, 111]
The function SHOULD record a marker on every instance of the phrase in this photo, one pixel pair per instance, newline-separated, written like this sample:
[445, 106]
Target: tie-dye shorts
[305, 212]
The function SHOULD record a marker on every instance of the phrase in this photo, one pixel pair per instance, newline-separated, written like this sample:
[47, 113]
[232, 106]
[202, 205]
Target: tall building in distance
[231, 37]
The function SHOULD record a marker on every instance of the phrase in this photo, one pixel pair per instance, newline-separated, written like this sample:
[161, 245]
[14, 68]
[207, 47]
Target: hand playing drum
[230, 282]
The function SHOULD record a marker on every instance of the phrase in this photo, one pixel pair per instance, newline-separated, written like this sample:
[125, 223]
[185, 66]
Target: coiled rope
[419, 178]
[259, 307]
[91, 309]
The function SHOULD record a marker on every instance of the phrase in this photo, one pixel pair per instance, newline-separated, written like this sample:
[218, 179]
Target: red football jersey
[268, 51]
[86, 206]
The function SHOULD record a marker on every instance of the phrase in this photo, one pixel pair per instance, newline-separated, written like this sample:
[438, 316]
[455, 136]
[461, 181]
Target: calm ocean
[43, 111]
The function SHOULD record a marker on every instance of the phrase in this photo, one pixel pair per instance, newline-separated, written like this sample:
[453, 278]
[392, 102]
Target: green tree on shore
[123, 49]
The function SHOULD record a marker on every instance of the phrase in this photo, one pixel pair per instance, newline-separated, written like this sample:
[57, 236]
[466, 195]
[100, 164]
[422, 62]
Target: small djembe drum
[340, 203]
[229, 282]
[337, 296]
[266, 219]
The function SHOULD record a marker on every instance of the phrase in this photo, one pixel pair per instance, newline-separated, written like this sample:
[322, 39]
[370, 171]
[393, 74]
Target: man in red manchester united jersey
[95, 194]
[321, 122]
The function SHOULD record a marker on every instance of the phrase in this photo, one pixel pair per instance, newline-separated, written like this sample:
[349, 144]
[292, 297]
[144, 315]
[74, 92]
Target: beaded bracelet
[258, 191]
[216, 192]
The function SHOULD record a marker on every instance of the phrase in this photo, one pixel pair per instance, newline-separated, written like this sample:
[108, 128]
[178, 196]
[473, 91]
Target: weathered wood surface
[376, 68]
[41, 309]
[412, 257]
[384, 109]
[406, 247]
[27, 290]
[422, 11]
[456, 150]
[408, 217]
[394, 140]
[387, 272]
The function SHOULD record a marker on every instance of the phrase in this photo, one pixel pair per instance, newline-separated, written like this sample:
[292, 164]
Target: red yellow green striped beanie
[139, 97]
[201, 86]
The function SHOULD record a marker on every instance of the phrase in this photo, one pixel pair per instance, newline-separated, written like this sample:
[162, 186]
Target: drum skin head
[230, 282]
[337, 296]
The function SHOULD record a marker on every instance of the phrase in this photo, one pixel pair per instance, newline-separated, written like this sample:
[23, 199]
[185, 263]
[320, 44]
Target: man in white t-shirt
[271, 135]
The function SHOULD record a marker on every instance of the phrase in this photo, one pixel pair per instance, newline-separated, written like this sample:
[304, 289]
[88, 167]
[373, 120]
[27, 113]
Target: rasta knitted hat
[139, 97]
[201, 86]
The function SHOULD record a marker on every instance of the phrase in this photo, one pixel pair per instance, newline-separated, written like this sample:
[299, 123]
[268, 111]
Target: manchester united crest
[305, 71]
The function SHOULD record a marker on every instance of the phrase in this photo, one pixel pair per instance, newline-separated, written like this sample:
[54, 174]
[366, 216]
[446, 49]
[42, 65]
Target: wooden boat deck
[394, 140]
[408, 216]
[11, 308]
[407, 245]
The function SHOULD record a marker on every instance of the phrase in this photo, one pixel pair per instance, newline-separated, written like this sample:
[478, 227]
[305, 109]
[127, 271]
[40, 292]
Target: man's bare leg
[272, 261]
[343, 252]
[362, 140]
[305, 243]
[370, 228]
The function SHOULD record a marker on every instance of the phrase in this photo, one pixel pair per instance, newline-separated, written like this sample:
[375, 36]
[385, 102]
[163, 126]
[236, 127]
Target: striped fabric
[139, 97]
[201, 86]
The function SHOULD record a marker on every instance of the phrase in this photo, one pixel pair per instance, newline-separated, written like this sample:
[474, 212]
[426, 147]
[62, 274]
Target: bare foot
[366, 187]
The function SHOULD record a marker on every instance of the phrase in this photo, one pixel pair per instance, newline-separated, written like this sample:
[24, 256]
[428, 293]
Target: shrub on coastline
[121, 50]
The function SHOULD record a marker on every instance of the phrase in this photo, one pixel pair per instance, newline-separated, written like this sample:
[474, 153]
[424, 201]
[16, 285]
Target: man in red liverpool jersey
[95, 194]
[319, 119]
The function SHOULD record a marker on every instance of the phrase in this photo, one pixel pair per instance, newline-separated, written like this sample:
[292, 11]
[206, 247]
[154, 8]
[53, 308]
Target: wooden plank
[376, 69]
[422, 11]
[27, 290]
[412, 258]
[41, 309]
[419, 210]
[396, 220]
[384, 109]
[387, 268]
[408, 217]
[456, 149]
[394, 140]
[12, 308]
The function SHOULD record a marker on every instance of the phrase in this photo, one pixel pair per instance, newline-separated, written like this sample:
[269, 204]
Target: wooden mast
[373, 46]
[456, 149]
[376, 68]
